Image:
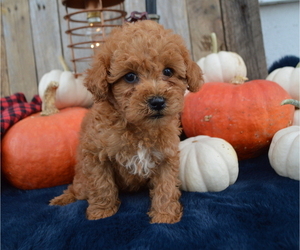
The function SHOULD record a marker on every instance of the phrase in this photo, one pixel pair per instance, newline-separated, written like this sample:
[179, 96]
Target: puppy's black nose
[157, 103]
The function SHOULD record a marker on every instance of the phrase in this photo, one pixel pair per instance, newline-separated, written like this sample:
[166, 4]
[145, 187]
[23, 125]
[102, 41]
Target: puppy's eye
[168, 72]
[131, 78]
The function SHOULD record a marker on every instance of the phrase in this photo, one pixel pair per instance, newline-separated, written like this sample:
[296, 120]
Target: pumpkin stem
[214, 42]
[63, 63]
[238, 80]
[48, 105]
[296, 103]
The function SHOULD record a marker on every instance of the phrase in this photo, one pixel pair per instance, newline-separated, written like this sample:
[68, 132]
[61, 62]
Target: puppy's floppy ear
[96, 80]
[193, 76]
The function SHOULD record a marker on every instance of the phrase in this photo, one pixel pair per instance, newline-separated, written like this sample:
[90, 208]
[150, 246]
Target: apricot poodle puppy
[130, 137]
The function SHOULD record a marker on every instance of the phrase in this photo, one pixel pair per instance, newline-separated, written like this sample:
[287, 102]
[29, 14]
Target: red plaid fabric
[15, 107]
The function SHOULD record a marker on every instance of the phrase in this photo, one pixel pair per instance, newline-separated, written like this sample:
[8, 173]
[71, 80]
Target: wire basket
[89, 27]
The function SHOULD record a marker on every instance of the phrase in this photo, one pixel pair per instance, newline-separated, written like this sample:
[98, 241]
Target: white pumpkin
[296, 120]
[71, 91]
[288, 78]
[284, 152]
[207, 164]
[222, 66]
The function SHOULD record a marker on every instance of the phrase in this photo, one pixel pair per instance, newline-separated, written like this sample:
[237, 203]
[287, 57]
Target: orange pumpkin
[40, 151]
[246, 115]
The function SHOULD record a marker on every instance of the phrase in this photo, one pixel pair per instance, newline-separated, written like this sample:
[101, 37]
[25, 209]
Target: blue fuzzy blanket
[260, 211]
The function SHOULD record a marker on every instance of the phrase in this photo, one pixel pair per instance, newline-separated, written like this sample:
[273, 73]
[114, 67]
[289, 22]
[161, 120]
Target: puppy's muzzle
[157, 103]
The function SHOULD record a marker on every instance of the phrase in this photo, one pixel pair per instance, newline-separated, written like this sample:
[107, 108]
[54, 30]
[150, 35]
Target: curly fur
[124, 145]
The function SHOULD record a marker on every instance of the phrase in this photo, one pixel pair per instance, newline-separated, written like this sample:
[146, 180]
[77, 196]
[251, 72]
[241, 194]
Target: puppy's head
[143, 70]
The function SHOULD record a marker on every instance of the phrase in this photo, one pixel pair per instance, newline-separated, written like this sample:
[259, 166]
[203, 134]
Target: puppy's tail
[66, 198]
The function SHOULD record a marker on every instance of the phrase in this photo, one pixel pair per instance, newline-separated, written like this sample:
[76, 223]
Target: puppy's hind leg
[66, 198]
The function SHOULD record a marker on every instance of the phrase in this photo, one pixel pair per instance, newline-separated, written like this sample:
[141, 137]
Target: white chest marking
[143, 162]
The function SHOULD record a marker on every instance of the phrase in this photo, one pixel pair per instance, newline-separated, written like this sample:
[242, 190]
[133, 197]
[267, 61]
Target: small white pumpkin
[284, 152]
[71, 91]
[207, 164]
[222, 66]
[296, 120]
[288, 78]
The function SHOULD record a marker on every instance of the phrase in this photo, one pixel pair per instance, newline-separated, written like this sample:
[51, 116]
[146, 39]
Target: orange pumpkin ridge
[246, 115]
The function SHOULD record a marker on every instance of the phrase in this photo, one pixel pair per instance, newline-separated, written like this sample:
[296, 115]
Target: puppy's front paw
[165, 218]
[62, 200]
[95, 213]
